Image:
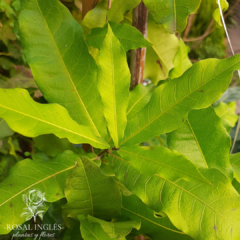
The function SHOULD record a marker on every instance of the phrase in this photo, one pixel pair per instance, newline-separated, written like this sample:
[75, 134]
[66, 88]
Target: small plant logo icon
[34, 201]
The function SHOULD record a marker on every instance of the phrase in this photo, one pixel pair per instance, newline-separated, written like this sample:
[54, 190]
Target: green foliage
[102, 161]
[216, 14]
[32, 119]
[206, 88]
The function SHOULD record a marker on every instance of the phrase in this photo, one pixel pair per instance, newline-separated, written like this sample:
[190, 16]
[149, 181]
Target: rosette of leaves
[148, 191]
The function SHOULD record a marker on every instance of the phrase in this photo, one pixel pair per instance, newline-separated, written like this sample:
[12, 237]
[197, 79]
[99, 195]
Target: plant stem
[138, 56]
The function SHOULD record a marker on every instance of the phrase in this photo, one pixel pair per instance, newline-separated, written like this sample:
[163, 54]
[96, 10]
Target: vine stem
[138, 56]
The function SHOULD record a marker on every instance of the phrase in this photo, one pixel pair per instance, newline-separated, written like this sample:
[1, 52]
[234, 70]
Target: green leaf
[116, 230]
[114, 82]
[159, 57]
[235, 162]
[119, 8]
[52, 145]
[203, 140]
[162, 161]
[216, 13]
[180, 95]
[227, 113]
[89, 192]
[91, 230]
[5, 131]
[32, 119]
[128, 36]
[68, 76]
[203, 211]
[172, 14]
[152, 224]
[28, 175]
[181, 61]
[138, 98]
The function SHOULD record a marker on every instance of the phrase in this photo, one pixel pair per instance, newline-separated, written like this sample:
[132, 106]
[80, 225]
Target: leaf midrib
[42, 180]
[70, 78]
[195, 197]
[150, 122]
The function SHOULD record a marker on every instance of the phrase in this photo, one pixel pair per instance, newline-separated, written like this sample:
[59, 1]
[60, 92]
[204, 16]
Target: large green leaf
[199, 87]
[160, 160]
[28, 175]
[68, 75]
[159, 57]
[172, 14]
[204, 140]
[32, 119]
[52, 145]
[114, 82]
[153, 225]
[90, 192]
[227, 113]
[115, 229]
[203, 211]
[119, 8]
[128, 36]
[181, 61]
[138, 98]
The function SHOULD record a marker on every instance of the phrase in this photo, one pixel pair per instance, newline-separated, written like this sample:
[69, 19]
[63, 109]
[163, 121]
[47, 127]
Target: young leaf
[116, 230]
[152, 224]
[203, 140]
[128, 36]
[114, 82]
[67, 76]
[199, 87]
[216, 13]
[162, 161]
[119, 8]
[32, 119]
[159, 58]
[52, 145]
[26, 175]
[198, 209]
[181, 61]
[172, 14]
[138, 98]
[89, 192]
[227, 113]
